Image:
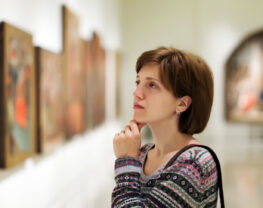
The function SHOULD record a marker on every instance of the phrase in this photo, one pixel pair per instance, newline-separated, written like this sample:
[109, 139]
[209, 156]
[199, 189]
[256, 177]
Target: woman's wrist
[127, 165]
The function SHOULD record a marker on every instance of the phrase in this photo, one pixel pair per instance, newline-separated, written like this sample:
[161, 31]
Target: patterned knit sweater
[189, 179]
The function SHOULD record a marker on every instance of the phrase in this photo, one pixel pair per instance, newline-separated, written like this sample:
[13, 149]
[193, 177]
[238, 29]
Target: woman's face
[158, 103]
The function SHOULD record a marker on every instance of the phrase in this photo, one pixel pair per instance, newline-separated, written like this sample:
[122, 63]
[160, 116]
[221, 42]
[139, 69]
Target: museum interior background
[94, 45]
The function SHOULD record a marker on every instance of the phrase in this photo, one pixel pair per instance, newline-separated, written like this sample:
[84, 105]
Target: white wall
[209, 28]
[43, 19]
[79, 173]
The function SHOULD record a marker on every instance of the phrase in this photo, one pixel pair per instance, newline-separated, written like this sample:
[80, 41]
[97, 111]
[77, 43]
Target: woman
[174, 96]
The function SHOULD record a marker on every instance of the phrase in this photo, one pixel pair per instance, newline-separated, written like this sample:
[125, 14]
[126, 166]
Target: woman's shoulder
[195, 152]
[194, 171]
[196, 158]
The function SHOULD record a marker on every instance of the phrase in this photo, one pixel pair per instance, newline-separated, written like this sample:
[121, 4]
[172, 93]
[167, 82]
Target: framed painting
[86, 61]
[118, 83]
[50, 100]
[98, 77]
[17, 96]
[244, 81]
[73, 75]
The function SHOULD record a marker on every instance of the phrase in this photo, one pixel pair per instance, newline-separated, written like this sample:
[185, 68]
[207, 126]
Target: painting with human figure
[18, 139]
[50, 100]
[244, 81]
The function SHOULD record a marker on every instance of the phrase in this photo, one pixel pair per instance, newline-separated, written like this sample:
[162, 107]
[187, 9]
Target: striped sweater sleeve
[191, 181]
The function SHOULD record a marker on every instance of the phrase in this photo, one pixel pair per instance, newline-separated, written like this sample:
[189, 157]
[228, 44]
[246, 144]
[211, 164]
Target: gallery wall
[74, 174]
[44, 21]
[212, 29]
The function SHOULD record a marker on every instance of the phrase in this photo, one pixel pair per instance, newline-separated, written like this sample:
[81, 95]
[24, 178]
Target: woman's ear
[184, 103]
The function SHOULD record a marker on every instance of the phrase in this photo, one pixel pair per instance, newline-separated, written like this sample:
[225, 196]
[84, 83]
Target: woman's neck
[168, 138]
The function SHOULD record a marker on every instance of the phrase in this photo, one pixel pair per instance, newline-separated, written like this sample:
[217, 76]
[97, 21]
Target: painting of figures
[17, 94]
[244, 81]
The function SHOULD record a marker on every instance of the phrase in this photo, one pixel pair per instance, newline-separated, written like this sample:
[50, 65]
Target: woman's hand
[128, 141]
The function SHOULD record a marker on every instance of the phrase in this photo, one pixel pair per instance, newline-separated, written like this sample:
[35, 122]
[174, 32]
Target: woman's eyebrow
[149, 78]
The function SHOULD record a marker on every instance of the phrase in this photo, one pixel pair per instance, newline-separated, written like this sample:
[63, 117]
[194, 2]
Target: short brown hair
[184, 73]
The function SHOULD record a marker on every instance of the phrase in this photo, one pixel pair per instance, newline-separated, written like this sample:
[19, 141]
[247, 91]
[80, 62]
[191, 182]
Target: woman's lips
[136, 106]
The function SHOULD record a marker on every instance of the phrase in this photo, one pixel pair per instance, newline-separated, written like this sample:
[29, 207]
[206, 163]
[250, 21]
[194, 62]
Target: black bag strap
[219, 176]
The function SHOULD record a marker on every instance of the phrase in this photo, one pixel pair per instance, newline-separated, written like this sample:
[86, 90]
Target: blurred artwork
[87, 65]
[73, 75]
[17, 105]
[244, 81]
[118, 84]
[50, 100]
[98, 80]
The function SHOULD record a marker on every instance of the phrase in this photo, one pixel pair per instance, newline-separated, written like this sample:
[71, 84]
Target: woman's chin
[138, 119]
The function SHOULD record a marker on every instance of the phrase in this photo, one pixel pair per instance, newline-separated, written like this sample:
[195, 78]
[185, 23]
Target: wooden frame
[17, 96]
[244, 81]
[50, 100]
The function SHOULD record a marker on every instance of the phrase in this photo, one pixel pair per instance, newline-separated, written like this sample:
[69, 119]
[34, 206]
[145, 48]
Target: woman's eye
[152, 85]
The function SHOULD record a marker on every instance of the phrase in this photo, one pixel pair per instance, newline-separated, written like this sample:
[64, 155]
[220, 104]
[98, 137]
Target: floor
[242, 170]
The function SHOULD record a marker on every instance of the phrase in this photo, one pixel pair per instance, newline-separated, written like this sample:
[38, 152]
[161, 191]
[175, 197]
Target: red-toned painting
[17, 96]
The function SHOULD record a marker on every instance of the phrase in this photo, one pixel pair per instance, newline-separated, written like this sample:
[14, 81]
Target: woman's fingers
[128, 131]
[127, 143]
[137, 125]
[134, 128]
[122, 134]
[127, 127]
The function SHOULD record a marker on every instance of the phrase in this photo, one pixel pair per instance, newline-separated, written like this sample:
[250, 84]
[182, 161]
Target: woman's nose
[138, 92]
